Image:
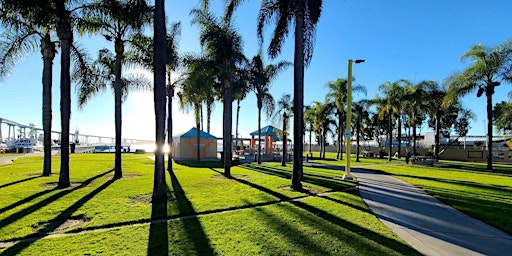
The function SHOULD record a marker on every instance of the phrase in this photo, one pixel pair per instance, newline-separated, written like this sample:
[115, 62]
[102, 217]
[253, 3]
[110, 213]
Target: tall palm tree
[159, 56]
[338, 95]
[261, 77]
[22, 38]
[489, 67]
[305, 14]
[282, 114]
[58, 15]
[119, 22]
[222, 43]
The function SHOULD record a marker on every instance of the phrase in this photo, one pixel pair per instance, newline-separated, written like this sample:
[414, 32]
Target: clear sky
[416, 40]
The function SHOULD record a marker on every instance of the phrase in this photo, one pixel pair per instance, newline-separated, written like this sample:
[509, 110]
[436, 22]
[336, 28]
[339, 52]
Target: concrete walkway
[427, 224]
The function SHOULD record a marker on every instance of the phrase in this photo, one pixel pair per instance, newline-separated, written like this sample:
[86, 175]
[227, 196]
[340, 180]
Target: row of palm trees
[405, 105]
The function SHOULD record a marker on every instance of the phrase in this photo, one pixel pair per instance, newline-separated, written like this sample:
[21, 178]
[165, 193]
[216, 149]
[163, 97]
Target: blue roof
[268, 130]
[192, 134]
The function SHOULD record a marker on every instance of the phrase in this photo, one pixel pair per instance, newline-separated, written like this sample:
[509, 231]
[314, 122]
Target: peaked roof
[192, 134]
[269, 130]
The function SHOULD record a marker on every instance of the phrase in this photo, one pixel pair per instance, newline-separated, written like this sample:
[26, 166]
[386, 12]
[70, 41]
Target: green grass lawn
[469, 187]
[253, 213]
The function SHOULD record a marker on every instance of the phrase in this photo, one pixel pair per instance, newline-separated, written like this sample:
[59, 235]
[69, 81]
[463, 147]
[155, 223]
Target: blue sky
[415, 40]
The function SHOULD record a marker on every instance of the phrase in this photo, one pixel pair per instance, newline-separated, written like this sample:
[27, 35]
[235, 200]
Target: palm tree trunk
[489, 130]
[228, 122]
[399, 128]
[197, 111]
[119, 48]
[259, 130]
[390, 136]
[283, 159]
[66, 39]
[436, 136]
[159, 186]
[310, 132]
[358, 130]
[208, 115]
[339, 154]
[298, 96]
[202, 123]
[170, 95]
[48, 52]
[237, 117]
[414, 135]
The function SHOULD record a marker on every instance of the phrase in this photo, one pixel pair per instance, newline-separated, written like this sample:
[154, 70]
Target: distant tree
[489, 67]
[283, 113]
[502, 114]
[120, 22]
[322, 123]
[338, 95]
[306, 15]
[360, 115]
[222, 44]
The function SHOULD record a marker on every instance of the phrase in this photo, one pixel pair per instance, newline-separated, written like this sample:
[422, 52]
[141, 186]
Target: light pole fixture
[348, 130]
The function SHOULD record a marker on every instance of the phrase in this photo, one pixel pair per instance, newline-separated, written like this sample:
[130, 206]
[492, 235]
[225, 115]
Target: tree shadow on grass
[324, 181]
[158, 242]
[19, 181]
[193, 228]
[27, 199]
[356, 229]
[14, 217]
[58, 221]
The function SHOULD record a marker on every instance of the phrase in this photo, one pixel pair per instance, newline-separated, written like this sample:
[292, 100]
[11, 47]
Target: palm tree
[490, 66]
[22, 38]
[414, 104]
[172, 61]
[261, 77]
[223, 45]
[322, 121]
[309, 115]
[194, 92]
[360, 113]
[241, 89]
[306, 14]
[120, 22]
[282, 114]
[338, 95]
[105, 69]
[57, 15]
[159, 56]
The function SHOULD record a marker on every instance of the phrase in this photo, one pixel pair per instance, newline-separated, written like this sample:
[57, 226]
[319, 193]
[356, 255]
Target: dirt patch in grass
[125, 175]
[306, 189]
[146, 198]
[221, 176]
[50, 185]
[60, 226]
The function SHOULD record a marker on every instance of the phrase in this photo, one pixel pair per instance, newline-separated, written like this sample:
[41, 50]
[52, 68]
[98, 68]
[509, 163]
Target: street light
[348, 132]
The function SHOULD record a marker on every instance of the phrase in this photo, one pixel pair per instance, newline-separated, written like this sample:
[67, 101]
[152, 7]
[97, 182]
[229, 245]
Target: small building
[269, 135]
[184, 145]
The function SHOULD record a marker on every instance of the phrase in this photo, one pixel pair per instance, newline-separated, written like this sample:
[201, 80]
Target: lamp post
[348, 132]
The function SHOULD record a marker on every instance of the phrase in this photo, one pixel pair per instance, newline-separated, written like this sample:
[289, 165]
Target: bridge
[17, 131]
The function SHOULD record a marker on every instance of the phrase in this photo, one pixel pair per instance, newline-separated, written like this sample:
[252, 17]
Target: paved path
[427, 224]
